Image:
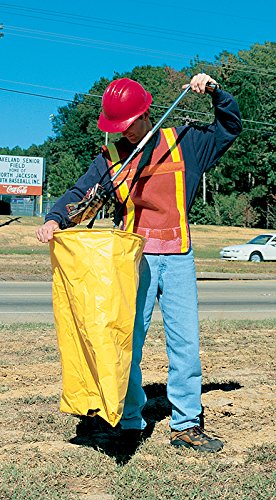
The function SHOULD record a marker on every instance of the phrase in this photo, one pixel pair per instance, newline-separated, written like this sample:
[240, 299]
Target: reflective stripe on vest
[123, 189]
[179, 186]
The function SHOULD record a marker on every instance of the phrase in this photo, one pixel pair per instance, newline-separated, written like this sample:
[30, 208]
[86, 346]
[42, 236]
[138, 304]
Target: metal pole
[150, 133]
[204, 188]
[155, 128]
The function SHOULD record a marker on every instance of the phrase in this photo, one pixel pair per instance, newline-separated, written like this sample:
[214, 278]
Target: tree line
[241, 189]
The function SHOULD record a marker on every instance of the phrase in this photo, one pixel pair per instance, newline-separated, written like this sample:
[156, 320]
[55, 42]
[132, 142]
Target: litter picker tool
[97, 196]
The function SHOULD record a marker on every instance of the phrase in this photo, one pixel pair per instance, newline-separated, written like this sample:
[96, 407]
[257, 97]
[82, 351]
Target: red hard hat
[123, 101]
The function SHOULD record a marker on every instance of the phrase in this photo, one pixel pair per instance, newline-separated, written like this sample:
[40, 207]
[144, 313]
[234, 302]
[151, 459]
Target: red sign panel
[15, 190]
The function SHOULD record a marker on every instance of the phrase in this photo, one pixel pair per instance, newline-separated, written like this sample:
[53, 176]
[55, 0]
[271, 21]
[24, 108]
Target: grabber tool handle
[147, 137]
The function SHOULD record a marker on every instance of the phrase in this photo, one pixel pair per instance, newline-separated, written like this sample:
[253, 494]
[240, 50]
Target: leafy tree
[241, 188]
[16, 151]
[63, 174]
[234, 210]
[250, 163]
[202, 213]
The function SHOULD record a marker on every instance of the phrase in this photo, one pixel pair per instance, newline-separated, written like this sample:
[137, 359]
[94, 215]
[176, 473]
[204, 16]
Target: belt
[160, 234]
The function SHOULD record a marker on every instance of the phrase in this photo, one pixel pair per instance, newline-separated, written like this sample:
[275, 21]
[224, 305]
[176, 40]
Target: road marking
[200, 310]
[26, 312]
[238, 310]
[25, 294]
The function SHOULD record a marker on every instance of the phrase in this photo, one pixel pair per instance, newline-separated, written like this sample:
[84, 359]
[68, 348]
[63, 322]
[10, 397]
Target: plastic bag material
[95, 281]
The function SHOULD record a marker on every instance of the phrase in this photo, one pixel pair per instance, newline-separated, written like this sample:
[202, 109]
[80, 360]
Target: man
[155, 203]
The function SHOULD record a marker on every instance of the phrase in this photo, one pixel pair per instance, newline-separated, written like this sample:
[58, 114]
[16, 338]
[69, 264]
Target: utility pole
[204, 188]
[106, 142]
[1, 36]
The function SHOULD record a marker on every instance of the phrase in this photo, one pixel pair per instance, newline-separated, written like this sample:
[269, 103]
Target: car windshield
[260, 240]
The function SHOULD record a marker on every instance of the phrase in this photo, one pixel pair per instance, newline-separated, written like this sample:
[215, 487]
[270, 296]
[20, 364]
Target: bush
[225, 210]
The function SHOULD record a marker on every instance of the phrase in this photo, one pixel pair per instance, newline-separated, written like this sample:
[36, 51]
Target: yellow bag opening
[95, 280]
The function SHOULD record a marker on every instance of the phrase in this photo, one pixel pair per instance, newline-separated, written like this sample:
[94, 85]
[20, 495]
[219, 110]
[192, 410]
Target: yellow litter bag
[95, 280]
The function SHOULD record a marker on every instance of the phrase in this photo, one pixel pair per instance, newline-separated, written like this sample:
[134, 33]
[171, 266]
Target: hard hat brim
[116, 126]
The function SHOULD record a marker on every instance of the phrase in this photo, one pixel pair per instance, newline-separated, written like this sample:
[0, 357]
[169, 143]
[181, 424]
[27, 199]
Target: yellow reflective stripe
[179, 189]
[180, 203]
[123, 189]
[172, 144]
[114, 156]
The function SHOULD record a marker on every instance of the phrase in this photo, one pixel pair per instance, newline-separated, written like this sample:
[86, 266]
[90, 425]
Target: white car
[263, 247]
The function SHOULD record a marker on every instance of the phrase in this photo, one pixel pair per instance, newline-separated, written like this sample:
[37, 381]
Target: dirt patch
[237, 384]
[46, 454]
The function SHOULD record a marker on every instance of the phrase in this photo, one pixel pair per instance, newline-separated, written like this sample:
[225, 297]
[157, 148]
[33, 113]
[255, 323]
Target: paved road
[30, 301]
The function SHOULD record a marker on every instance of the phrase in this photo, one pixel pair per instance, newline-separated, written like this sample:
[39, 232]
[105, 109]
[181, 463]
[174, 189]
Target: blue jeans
[172, 280]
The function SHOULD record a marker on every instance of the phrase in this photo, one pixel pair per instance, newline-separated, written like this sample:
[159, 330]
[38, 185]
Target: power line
[183, 37]
[148, 29]
[110, 45]
[153, 53]
[17, 7]
[36, 95]
[88, 94]
[121, 24]
[44, 87]
[100, 97]
[86, 42]
[247, 68]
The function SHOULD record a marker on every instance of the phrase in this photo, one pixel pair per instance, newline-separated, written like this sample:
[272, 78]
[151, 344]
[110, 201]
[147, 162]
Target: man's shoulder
[122, 145]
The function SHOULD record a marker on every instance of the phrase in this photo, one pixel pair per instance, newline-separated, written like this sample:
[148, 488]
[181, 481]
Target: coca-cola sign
[17, 189]
[14, 190]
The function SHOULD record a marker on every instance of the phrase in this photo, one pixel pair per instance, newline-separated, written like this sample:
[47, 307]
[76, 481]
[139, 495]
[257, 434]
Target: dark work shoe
[134, 437]
[195, 438]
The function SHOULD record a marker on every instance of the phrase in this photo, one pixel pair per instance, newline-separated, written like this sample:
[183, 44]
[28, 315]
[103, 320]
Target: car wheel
[256, 257]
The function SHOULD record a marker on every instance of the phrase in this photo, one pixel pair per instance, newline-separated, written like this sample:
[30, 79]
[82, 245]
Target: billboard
[21, 175]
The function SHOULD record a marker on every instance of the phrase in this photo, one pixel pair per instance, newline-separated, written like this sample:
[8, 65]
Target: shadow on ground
[122, 445]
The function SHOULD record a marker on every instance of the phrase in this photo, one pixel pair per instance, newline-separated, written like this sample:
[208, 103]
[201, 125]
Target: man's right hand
[45, 233]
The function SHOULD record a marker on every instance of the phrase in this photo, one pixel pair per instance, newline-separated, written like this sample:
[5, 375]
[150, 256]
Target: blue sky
[58, 48]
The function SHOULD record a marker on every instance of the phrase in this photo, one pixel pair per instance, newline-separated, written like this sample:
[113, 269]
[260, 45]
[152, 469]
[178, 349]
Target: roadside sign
[21, 175]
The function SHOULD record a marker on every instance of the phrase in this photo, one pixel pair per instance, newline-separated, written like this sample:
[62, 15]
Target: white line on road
[201, 310]
[25, 294]
[26, 312]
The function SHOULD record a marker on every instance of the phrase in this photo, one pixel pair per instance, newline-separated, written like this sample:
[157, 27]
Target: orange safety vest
[156, 206]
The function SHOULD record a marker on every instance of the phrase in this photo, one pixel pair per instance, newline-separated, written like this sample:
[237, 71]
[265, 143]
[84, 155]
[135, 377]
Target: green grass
[206, 253]
[26, 327]
[43, 250]
[38, 399]
[238, 325]
[154, 473]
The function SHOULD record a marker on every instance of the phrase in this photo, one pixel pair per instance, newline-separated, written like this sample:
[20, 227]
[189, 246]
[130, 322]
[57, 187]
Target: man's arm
[209, 143]
[58, 218]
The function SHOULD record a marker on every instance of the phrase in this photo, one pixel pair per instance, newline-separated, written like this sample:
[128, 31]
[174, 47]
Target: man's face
[138, 129]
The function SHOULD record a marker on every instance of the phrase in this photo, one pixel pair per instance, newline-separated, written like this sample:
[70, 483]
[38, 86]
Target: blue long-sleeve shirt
[201, 146]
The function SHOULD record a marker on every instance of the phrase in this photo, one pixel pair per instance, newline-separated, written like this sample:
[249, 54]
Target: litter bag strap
[123, 190]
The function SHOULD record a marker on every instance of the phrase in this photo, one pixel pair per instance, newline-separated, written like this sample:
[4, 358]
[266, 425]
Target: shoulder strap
[147, 153]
